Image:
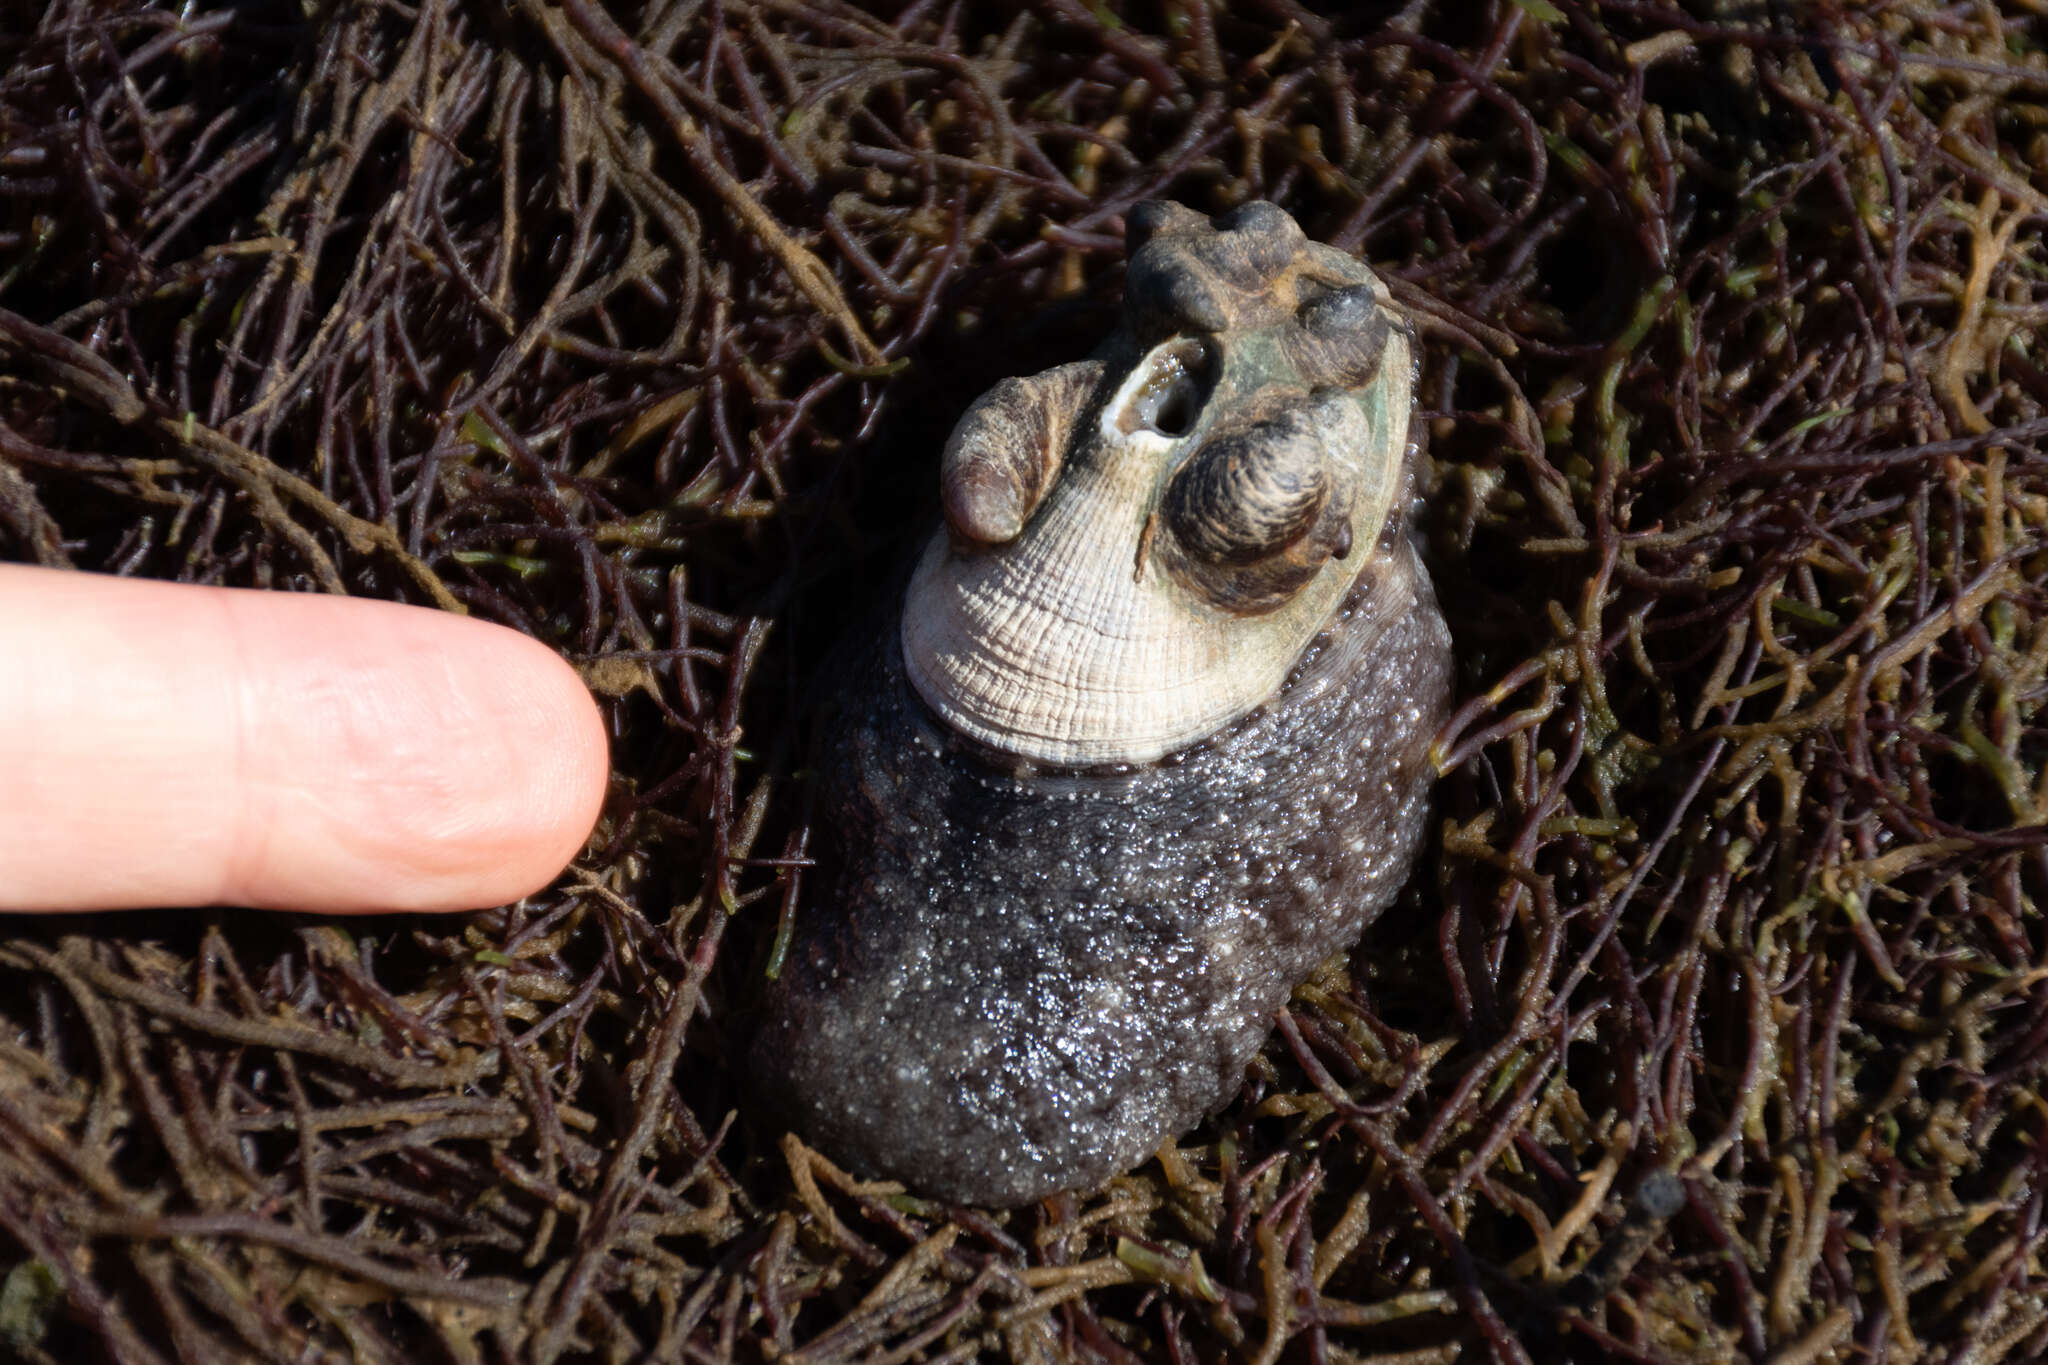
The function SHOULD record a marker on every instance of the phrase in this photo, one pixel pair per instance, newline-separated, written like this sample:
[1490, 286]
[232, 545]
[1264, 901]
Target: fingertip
[581, 748]
[474, 763]
[537, 771]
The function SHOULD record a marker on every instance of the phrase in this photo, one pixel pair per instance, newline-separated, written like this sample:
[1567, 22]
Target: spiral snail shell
[1143, 741]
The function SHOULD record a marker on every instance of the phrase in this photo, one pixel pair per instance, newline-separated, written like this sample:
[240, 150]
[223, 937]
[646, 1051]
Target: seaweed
[1715, 1025]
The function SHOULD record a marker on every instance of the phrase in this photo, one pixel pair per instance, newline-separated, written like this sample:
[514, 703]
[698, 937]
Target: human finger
[165, 744]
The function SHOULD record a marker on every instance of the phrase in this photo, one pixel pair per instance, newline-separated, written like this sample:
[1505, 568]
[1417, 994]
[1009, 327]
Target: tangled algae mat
[1715, 1023]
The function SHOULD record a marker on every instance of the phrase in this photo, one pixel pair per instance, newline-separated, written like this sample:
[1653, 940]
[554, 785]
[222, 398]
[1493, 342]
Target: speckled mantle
[1010, 983]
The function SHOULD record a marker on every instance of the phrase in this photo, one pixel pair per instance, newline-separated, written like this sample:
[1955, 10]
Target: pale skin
[170, 745]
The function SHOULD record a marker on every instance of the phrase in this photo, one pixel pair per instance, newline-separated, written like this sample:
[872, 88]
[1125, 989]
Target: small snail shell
[1255, 514]
[1006, 452]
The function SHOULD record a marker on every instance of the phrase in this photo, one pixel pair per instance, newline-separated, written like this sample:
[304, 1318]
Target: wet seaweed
[1714, 1027]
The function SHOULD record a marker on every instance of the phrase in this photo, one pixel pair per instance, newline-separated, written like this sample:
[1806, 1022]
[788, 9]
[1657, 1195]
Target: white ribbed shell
[1058, 648]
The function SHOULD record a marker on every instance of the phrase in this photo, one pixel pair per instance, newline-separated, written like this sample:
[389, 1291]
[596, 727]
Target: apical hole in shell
[1176, 415]
[1176, 387]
